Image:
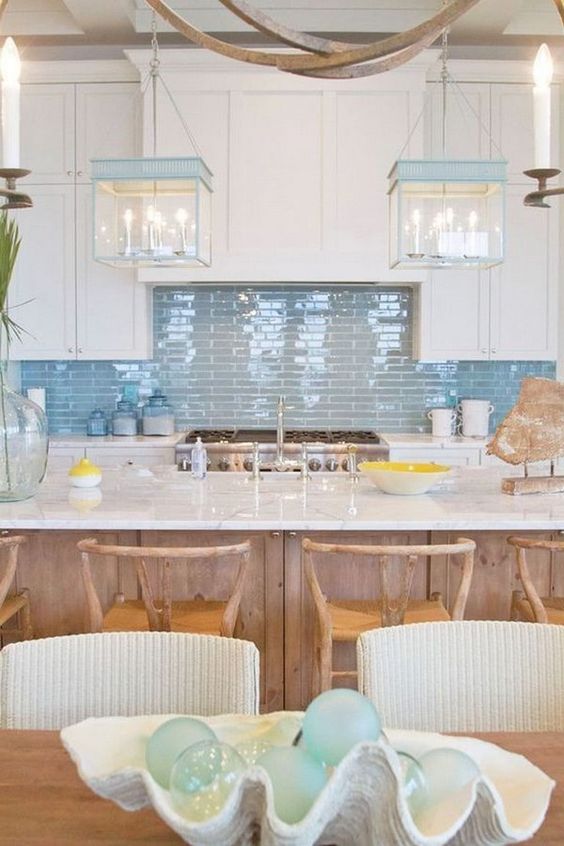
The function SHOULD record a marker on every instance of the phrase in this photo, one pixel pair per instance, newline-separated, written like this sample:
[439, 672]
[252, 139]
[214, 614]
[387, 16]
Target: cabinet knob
[70, 349]
[494, 351]
[80, 349]
[275, 534]
[484, 352]
[292, 534]
[79, 173]
[69, 172]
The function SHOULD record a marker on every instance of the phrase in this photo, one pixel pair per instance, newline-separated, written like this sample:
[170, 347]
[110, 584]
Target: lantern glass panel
[146, 221]
[446, 223]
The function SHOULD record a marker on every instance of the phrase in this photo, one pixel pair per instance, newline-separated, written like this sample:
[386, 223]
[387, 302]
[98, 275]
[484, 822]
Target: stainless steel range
[281, 450]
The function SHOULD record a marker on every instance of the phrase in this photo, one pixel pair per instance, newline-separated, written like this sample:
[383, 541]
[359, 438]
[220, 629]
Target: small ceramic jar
[85, 474]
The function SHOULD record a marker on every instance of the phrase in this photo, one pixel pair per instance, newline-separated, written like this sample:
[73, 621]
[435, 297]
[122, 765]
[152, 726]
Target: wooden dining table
[43, 801]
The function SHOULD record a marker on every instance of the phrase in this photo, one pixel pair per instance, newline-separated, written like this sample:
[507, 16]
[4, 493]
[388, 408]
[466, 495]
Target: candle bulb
[181, 218]
[127, 219]
[10, 66]
[158, 230]
[151, 227]
[542, 74]
[471, 249]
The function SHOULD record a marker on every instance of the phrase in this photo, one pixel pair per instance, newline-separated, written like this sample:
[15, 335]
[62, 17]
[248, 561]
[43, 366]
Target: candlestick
[127, 219]
[11, 67]
[158, 230]
[471, 249]
[542, 74]
[182, 217]
[151, 227]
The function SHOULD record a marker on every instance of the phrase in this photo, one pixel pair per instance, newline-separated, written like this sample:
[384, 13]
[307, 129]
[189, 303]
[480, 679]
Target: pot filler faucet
[281, 462]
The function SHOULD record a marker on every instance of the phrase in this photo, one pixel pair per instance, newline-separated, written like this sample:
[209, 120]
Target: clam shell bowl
[361, 804]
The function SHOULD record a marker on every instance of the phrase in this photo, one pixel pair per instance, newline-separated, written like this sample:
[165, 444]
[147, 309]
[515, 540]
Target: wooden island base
[276, 610]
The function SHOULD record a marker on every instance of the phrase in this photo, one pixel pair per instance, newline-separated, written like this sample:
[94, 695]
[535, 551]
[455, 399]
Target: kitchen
[295, 342]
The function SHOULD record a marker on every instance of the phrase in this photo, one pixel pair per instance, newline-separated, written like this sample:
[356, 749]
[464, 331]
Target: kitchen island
[166, 507]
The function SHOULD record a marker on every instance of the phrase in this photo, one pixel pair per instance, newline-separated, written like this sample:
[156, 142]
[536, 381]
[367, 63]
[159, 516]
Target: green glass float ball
[414, 784]
[203, 777]
[169, 741]
[336, 721]
[251, 750]
[297, 780]
[446, 771]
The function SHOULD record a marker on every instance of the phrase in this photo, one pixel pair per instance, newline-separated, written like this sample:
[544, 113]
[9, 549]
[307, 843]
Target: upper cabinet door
[524, 289]
[107, 123]
[467, 121]
[512, 128]
[42, 294]
[47, 133]
[453, 316]
[112, 307]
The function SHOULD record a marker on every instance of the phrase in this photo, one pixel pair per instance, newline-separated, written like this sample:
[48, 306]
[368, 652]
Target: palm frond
[9, 247]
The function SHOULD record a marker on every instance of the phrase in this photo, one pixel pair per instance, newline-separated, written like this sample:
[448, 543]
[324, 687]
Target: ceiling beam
[113, 18]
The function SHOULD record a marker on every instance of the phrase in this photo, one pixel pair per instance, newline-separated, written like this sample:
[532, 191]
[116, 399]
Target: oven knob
[223, 464]
[331, 464]
[345, 464]
[314, 464]
[248, 464]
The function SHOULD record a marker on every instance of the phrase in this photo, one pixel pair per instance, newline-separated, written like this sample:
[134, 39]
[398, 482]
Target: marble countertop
[469, 499]
[123, 441]
[427, 441]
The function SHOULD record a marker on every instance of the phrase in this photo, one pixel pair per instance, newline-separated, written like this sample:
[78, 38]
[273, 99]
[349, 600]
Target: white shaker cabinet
[524, 289]
[47, 133]
[511, 311]
[42, 293]
[77, 307]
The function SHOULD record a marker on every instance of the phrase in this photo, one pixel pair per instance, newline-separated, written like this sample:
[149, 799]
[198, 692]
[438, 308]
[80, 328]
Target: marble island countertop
[469, 499]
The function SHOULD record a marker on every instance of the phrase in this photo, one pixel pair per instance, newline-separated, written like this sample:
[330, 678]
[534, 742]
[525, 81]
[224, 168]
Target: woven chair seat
[11, 606]
[350, 618]
[198, 616]
[554, 606]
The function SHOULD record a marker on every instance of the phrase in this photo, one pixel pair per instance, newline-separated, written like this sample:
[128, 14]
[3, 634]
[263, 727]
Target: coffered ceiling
[92, 24]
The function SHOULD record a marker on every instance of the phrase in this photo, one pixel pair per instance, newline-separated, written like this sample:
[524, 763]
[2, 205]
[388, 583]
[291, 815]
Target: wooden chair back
[521, 546]
[9, 548]
[18, 604]
[393, 607]
[159, 609]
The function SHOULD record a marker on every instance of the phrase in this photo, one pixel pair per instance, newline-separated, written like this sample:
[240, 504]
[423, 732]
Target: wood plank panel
[495, 573]
[48, 566]
[341, 577]
[261, 614]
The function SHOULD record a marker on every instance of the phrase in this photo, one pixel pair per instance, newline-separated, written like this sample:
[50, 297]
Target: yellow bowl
[404, 478]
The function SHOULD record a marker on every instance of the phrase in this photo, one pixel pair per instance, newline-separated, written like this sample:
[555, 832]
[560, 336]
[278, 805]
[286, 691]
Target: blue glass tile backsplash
[222, 354]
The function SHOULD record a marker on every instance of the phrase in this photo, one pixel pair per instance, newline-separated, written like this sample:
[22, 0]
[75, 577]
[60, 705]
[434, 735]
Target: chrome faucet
[281, 462]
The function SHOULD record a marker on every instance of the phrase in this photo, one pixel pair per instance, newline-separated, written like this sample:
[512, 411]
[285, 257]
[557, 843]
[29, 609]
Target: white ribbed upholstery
[465, 676]
[57, 681]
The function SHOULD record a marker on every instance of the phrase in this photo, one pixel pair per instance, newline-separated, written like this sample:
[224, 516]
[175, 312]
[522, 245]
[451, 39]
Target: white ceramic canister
[442, 421]
[475, 417]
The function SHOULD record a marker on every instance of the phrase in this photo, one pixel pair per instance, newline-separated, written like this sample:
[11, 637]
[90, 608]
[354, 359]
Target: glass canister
[124, 419]
[97, 423]
[23, 444]
[158, 415]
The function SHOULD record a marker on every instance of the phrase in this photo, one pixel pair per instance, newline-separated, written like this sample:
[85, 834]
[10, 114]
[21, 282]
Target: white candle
[542, 74]
[158, 229]
[151, 226]
[127, 219]
[11, 67]
[416, 231]
[471, 249]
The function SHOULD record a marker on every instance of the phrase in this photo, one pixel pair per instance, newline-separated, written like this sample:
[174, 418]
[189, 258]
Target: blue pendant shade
[152, 212]
[446, 213]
